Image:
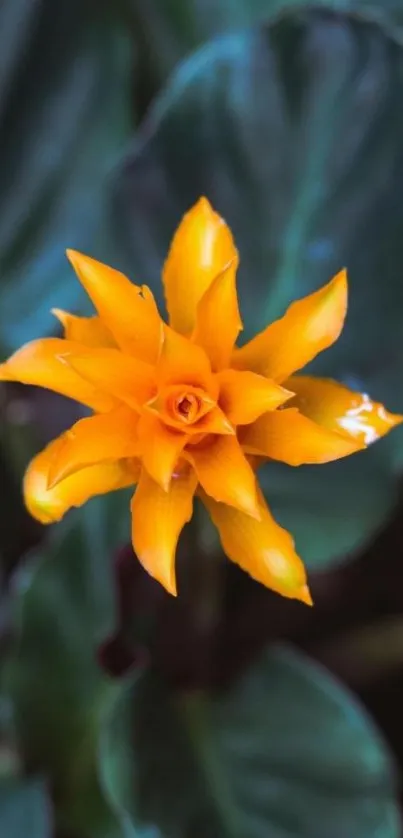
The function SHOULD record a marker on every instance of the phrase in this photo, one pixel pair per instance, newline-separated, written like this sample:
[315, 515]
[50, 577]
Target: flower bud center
[187, 407]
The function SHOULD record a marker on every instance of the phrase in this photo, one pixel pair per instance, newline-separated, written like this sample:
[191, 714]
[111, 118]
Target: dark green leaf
[295, 133]
[287, 753]
[331, 514]
[116, 763]
[65, 607]
[64, 115]
[25, 810]
[171, 28]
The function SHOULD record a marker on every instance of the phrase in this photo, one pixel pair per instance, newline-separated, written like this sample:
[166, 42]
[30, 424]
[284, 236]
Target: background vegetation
[229, 713]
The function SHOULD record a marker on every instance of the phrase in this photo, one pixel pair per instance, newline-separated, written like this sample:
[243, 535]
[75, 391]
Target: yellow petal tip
[288, 394]
[395, 418]
[59, 314]
[304, 595]
[204, 203]
[340, 279]
[167, 582]
[337, 288]
[77, 259]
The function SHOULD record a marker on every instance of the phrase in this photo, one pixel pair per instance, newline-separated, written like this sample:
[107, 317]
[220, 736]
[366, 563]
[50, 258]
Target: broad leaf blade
[173, 27]
[64, 115]
[64, 608]
[286, 753]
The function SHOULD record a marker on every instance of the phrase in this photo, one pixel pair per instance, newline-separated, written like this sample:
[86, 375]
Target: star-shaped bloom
[179, 410]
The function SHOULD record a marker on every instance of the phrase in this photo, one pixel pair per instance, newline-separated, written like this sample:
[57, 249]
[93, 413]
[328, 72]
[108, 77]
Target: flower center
[181, 406]
[187, 407]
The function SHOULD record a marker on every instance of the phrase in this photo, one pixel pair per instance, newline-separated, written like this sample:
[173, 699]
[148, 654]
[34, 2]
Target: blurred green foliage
[65, 607]
[64, 116]
[253, 762]
[24, 809]
[289, 118]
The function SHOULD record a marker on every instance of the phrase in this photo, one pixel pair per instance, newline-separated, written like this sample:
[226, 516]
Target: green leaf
[64, 608]
[295, 133]
[25, 810]
[330, 514]
[287, 752]
[171, 28]
[116, 765]
[64, 115]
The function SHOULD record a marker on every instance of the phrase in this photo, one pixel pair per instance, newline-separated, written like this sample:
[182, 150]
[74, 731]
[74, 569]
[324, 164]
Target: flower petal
[163, 404]
[182, 362]
[225, 473]
[128, 310]
[49, 505]
[201, 248]
[87, 330]
[289, 436]
[244, 395]
[38, 363]
[309, 326]
[160, 448]
[158, 518]
[214, 422]
[262, 548]
[336, 407]
[126, 379]
[96, 439]
[215, 333]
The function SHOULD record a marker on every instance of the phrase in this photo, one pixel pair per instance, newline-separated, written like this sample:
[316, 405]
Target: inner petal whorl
[187, 407]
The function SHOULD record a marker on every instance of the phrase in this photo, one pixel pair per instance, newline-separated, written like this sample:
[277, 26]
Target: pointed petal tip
[72, 255]
[395, 418]
[341, 278]
[170, 586]
[338, 285]
[201, 207]
[204, 204]
[79, 260]
[202, 244]
[304, 595]
[288, 394]
[167, 581]
[59, 314]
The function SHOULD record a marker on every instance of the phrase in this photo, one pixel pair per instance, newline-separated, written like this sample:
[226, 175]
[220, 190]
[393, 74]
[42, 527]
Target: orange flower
[178, 409]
